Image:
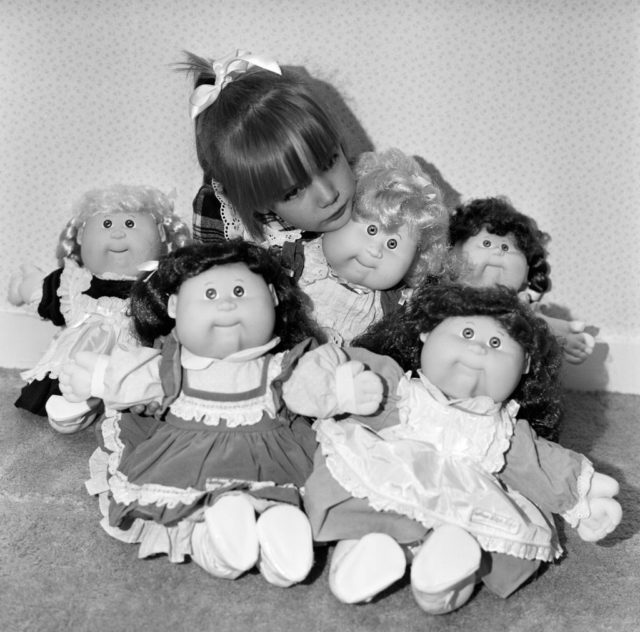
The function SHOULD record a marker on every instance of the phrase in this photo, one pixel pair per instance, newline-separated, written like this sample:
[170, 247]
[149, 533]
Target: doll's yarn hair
[123, 198]
[538, 392]
[264, 134]
[393, 190]
[150, 295]
[499, 217]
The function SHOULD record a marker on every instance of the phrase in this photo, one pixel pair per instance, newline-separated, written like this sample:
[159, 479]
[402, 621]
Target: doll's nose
[375, 250]
[117, 233]
[477, 348]
[227, 305]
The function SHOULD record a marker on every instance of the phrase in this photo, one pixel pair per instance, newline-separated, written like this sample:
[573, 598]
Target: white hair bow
[226, 70]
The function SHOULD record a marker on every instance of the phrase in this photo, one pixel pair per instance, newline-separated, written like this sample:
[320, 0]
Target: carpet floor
[60, 571]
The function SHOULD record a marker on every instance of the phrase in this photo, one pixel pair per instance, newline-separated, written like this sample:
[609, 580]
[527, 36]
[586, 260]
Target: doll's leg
[69, 417]
[360, 569]
[443, 573]
[286, 545]
[225, 544]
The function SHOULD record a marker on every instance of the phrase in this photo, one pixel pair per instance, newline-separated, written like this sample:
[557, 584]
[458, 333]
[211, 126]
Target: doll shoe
[360, 569]
[286, 545]
[443, 573]
[69, 417]
[226, 544]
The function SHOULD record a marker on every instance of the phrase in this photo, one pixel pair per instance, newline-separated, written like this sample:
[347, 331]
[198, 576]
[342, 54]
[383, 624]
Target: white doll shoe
[360, 569]
[286, 545]
[226, 543]
[606, 514]
[69, 417]
[443, 573]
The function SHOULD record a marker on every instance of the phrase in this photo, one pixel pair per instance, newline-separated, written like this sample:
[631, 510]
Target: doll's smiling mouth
[118, 251]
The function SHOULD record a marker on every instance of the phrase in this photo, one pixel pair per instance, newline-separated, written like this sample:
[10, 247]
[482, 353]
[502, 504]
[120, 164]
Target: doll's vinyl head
[498, 244]
[115, 229]
[261, 134]
[472, 341]
[221, 297]
[398, 228]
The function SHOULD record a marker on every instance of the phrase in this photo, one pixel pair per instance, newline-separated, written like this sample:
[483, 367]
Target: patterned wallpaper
[535, 100]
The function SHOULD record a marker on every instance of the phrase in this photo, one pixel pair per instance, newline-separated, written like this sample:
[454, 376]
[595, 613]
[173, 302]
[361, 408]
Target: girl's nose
[326, 191]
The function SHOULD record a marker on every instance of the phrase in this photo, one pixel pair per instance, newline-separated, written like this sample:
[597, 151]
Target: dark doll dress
[227, 430]
[92, 312]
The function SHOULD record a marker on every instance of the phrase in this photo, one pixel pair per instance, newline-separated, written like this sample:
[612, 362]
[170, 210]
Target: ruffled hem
[581, 509]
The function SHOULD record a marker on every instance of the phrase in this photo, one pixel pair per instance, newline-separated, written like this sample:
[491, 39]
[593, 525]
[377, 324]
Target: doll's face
[468, 356]
[362, 252]
[493, 260]
[325, 203]
[225, 309]
[119, 242]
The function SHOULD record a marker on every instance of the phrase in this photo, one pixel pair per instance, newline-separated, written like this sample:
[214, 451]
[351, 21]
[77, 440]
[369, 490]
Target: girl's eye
[495, 342]
[486, 243]
[504, 247]
[107, 223]
[292, 193]
[331, 162]
[468, 333]
[372, 229]
[392, 244]
[129, 223]
[211, 293]
[238, 290]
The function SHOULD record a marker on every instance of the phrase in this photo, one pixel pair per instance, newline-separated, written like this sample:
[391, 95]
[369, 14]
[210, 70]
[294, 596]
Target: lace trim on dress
[581, 509]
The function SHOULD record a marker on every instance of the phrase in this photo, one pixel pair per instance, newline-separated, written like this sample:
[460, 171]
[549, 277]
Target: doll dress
[344, 310]
[159, 476]
[438, 466]
[92, 323]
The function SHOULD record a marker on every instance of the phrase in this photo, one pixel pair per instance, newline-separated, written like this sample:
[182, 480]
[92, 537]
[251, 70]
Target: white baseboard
[614, 365]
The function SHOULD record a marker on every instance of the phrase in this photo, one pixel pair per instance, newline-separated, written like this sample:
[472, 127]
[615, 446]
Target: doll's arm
[25, 285]
[577, 345]
[325, 383]
[123, 379]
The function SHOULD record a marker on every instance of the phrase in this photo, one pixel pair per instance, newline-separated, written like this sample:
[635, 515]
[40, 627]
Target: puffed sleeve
[49, 306]
[553, 477]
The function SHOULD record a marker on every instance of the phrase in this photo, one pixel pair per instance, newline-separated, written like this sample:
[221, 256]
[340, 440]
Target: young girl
[113, 231]
[227, 447]
[272, 159]
[447, 469]
[397, 234]
[498, 244]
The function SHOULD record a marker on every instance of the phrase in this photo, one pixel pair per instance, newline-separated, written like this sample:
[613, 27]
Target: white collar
[195, 362]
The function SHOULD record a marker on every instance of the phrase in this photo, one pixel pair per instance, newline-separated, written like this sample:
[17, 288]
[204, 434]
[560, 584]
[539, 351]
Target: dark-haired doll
[497, 244]
[446, 471]
[219, 478]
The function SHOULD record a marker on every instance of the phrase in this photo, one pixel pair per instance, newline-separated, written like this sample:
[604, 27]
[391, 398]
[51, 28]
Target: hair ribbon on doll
[226, 70]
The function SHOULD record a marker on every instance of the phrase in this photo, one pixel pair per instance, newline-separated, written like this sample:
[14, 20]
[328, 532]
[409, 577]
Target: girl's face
[225, 309]
[325, 203]
[467, 356]
[493, 260]
[362, 252]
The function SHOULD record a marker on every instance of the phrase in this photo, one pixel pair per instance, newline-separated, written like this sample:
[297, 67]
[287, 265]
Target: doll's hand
[75, 376]
[359, 391]
[605, 512]
[577, 344]
[148, 410]
[25, 285]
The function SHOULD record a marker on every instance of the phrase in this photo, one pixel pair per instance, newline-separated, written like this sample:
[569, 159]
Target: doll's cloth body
[424, 461]
[226, 429]
[93, 314]
[342, 309]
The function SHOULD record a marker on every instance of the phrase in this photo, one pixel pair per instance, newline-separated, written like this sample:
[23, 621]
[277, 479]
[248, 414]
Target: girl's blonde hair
[123, 198]
[393, 190]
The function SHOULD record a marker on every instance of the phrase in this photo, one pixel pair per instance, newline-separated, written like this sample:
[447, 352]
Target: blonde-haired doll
[397, 235]
[112, 231]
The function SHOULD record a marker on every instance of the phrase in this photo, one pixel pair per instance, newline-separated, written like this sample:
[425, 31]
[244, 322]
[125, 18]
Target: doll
[111, 233]
[498, 244]
[446, 472]
[397, 233]
[227, 449]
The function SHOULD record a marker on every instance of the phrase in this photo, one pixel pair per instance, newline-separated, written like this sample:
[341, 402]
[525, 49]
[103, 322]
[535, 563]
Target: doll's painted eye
[486, 243]
[238, 291]
[392, 244]
[468, 333]
[372, 229]
[129, 223]
[107, 223]
[211, 293]
[504, 247]
[495, 342]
